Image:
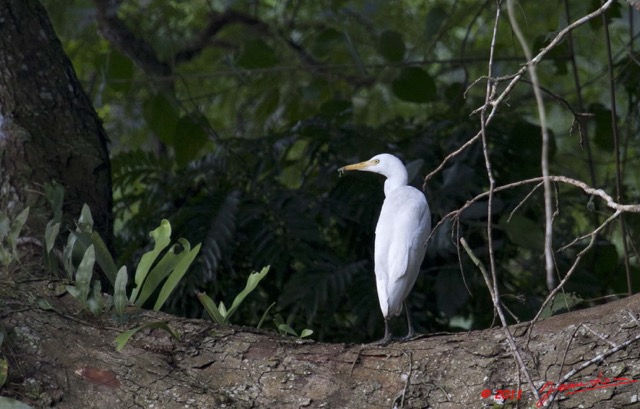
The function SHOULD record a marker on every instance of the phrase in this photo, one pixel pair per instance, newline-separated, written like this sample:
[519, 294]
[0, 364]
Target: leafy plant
[172, 267]
[9, 233]
[284, 328]
[219, 313]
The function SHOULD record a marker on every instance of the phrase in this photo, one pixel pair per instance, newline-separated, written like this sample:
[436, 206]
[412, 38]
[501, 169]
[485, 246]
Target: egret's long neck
[395, 179]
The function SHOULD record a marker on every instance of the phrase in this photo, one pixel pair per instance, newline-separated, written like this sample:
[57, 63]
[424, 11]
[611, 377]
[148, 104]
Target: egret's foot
[411, 335]
[387, 335]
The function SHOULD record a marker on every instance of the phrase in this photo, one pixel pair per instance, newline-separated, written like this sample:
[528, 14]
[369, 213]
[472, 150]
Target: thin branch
[120, 36]
[544, 160]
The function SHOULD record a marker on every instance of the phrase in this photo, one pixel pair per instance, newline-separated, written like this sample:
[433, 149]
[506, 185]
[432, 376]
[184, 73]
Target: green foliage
[284, 328]
[122, 339]
[9, 233]
[238, 148]
[219, 313]
[9, 403]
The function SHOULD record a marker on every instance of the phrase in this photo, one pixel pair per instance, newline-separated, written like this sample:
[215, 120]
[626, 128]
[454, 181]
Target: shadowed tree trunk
[58, 356]
[49, 130]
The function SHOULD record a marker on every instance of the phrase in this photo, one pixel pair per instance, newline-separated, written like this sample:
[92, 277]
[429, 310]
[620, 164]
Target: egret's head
[384, 164]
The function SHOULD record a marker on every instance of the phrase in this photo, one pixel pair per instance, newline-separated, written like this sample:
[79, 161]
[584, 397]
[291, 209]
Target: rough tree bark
[49, 130]
[60, 357]
[63, 359]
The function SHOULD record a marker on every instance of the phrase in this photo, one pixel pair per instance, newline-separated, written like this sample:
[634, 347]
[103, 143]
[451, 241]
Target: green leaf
[50, 234]
[84, 273]
[561, 303]
[120, 291]
[103, 256]
[119, 71]
[257, 54]
[184, 261]
[4, 371]
[55, 195]
[524, 232]
[252, 282]
[95, 302]
[122, 339]
[210, 308]
[86, 220]
[159, 272]
[161, 237]
[44, 304]
[16, 228]
[161, 117]
[188, 141]
[414, 85]
[8, 403]
[391, 46]
[5, 226]
[287, 329]
[305, 333]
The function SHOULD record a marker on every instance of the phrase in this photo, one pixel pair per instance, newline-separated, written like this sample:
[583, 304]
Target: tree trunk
[62, 359]
[49, 130]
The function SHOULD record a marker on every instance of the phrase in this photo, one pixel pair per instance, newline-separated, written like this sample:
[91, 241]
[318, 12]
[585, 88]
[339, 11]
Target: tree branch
[120, 36]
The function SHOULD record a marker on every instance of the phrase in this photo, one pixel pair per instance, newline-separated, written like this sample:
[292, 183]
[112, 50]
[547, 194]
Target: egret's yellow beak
[357, 166]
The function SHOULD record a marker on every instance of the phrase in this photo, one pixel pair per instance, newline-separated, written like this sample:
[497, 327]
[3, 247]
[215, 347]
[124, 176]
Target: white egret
[401, 234]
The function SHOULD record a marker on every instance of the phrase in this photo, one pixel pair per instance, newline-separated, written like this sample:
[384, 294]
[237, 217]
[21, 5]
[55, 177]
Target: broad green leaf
[86, 220]
[8, 403]
[161, 117]
[84, 273]
[561, 302]
[4, 371]
[184, 261]
[161, 237]
[50, 235]
[391, 46]
[252, 282]
[44, 304]
[524, 232]
[414, 85]
[94, 302]
[120, 290]
[286, 328]
[210, 308]
[160, 271]
[188, 141]
[67, 255]
[257, 54]
[5, 226]
[103, 256]
[122, 339]
[305, 333]
[55, 195]
[119, 71]
[223, 311]
[16, 228]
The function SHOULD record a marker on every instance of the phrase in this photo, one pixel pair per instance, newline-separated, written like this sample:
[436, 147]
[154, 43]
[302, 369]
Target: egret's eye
[376, 161]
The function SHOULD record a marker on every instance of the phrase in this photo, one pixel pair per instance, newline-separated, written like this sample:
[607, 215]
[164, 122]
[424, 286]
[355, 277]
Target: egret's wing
[402, 230]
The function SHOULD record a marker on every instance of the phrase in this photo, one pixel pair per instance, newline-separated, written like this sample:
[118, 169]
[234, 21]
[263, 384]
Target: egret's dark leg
[411, 332]
[387, 334]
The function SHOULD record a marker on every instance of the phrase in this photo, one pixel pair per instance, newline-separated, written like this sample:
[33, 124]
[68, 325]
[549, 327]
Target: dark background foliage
[234, 124]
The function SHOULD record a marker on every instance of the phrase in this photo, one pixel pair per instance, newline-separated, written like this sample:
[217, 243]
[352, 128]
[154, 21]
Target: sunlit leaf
[184, 261]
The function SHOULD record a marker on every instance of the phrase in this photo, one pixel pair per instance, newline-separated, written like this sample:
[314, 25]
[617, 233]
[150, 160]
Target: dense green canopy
[230, 119]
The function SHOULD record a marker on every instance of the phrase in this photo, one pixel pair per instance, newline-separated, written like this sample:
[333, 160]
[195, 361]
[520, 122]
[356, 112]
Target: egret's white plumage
[401, 234]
